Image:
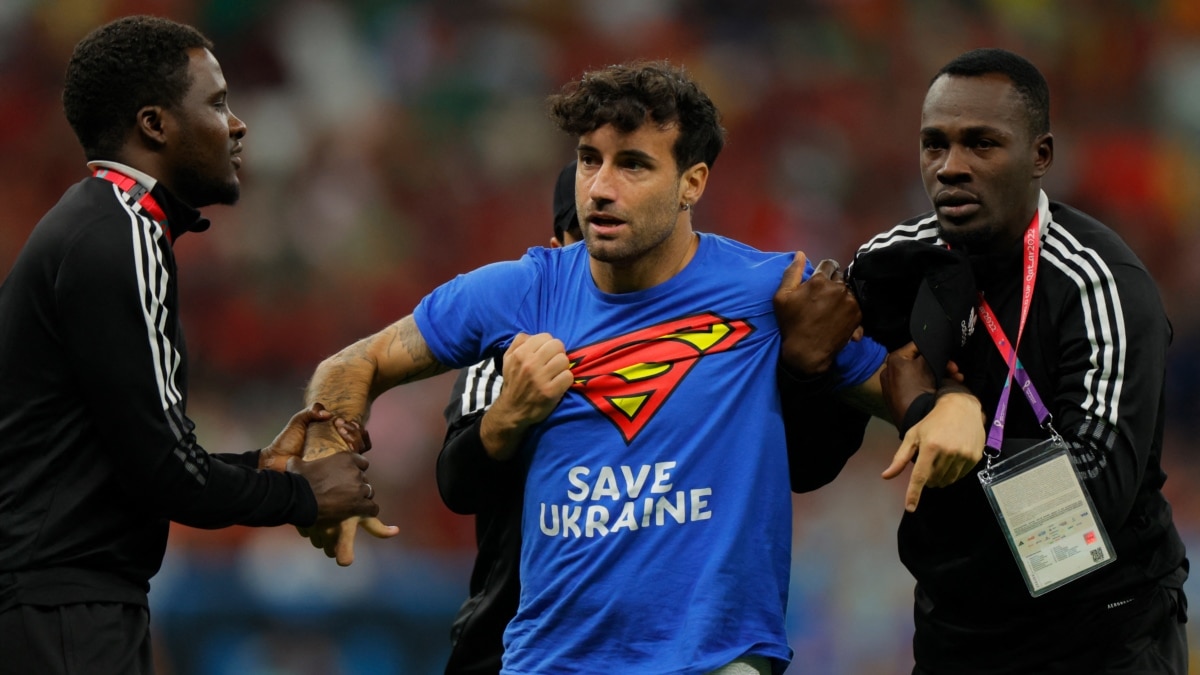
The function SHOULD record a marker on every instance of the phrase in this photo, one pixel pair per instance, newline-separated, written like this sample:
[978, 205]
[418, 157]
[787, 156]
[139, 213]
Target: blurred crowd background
[395, 143]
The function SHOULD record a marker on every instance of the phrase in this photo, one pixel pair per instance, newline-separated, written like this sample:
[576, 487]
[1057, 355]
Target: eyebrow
[624, 154]
[976, 130]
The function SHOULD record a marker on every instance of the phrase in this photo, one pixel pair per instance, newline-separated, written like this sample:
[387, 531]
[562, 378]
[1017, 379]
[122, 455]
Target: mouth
[956, 204]
[603, 223]
[235, 156]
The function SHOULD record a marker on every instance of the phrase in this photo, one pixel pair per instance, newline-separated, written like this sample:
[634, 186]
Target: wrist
[917, 410]
[960, 395]
[270, 461]
[499, 434]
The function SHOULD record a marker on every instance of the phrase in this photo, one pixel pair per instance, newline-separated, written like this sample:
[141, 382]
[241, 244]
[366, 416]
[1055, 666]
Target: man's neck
[140, 176]
[650, 270]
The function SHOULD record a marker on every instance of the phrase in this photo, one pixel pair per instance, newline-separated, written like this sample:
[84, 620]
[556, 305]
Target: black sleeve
[116, 293]
[822, 431]
[1108, 393]
[246, 459]
[466, 474]
[917, 410]
[467, 477]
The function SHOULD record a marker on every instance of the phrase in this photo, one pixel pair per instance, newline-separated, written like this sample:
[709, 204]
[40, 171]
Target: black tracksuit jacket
[1095, 347]
[96, 449]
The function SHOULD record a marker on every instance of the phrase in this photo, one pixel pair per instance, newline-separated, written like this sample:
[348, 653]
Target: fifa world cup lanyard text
[138, 193]
[1039, 500]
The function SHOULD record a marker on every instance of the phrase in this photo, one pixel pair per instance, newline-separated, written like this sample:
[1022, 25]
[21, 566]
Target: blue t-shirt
[657, 520]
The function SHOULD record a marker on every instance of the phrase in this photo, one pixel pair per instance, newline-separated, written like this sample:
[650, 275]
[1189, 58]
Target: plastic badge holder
[1047, 515]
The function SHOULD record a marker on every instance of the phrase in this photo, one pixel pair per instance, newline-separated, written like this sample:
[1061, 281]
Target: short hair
[1025, 77]
[121, 67]
[629, 95]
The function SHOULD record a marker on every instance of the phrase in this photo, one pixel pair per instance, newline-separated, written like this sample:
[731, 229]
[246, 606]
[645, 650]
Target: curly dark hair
[628, 95]
[1026, 78]
[121, 67]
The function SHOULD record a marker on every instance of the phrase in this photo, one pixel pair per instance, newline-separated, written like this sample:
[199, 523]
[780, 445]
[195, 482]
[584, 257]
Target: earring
[685, 206]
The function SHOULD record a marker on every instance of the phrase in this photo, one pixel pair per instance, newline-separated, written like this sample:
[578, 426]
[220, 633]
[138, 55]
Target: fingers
[354, 434]
[317, 413]
[337, 541]
[793, 276]
[343, 550]
[828, 268]
[954, 373]
[377, 529]
[915, 484]
[903, 456]
[518, 340]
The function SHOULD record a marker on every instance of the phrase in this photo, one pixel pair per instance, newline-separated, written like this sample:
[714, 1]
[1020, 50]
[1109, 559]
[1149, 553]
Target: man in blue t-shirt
[656, 526]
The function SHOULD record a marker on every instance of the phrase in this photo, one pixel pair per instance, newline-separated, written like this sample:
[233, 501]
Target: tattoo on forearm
[404, 335]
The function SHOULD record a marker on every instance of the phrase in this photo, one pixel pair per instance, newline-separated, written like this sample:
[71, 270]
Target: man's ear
[1043, 147]
[152, 124]
[692, 183]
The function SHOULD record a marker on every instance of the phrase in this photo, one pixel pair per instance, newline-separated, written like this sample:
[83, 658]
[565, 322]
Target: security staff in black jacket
[96, 447]
[471, 482]
[1091, 335]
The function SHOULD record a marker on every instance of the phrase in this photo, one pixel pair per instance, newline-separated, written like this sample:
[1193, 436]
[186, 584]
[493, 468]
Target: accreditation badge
[1046, 515]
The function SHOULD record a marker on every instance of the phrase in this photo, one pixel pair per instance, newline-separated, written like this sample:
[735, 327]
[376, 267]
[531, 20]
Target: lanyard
[139, 193]
[1016, 370]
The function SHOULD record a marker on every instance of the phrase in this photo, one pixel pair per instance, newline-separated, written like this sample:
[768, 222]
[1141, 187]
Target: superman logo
[628, 378]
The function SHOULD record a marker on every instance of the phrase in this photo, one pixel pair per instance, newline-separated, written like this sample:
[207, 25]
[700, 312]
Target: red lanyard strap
[138, 193]
[1009, 351]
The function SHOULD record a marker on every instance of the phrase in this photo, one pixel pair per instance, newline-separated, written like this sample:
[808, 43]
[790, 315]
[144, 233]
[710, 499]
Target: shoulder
[536, 264]
[720, 250]
[921, 228]
[1093, 262]
[1075, 235]
[89, 221]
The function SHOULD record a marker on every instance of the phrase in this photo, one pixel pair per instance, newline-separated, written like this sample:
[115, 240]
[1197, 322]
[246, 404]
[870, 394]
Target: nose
[237, 128]
[601, 185]
[954, 168]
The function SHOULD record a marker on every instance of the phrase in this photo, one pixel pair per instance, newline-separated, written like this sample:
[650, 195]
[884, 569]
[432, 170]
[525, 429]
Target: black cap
[918, 292]
[565, 217]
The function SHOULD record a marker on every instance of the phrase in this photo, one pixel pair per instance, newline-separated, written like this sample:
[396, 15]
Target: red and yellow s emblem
[628, 378]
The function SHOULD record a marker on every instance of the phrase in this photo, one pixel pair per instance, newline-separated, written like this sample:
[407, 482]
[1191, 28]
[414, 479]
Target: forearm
[501, 432]
[349, 381]
[821, 430]
[464, 469]
[234, 494]
[867, 397]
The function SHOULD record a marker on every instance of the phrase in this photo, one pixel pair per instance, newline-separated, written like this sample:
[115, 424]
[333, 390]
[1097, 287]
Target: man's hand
[905, 376]
[339, 484]
[950, 442]
[817, 317]
[336, 539]
[290, 442]
[536, 376]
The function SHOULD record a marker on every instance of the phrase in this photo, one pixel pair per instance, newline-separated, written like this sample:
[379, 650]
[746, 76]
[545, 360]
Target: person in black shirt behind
[472, 483]
[98, 452]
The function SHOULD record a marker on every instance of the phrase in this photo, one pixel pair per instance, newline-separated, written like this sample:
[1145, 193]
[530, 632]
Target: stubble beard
[641, 242]
[199, 191]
